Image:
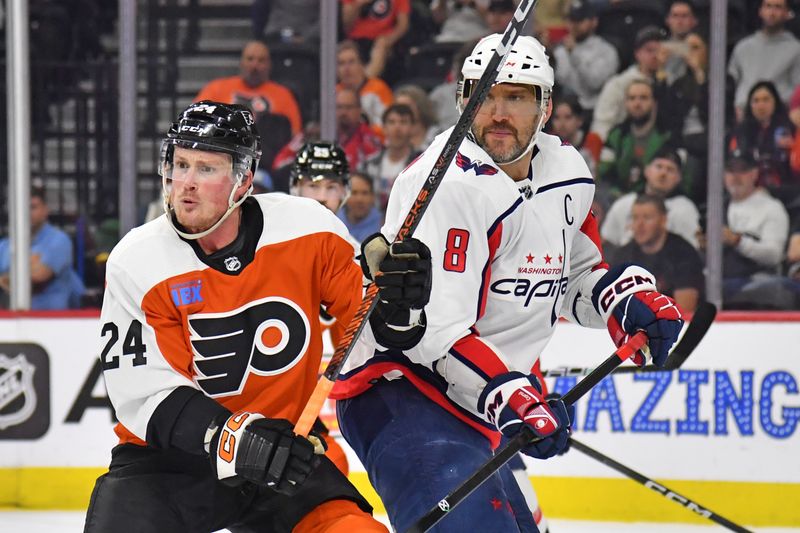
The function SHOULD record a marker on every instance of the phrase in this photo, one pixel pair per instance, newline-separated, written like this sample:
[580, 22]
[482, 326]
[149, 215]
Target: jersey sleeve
[341, 279]
[147, 366]
[587, 267]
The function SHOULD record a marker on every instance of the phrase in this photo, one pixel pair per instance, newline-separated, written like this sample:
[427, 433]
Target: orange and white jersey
[248, 337]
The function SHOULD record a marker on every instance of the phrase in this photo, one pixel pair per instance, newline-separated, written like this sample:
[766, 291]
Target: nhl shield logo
[232, 263]
[17, 394]
[24, 391]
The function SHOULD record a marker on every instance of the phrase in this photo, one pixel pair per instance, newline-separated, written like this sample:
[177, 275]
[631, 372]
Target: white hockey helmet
[527, 63]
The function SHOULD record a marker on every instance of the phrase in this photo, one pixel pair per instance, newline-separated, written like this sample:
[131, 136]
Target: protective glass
[180, 169]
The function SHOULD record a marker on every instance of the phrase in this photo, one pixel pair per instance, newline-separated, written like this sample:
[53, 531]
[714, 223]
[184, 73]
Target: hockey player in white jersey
[514, 247]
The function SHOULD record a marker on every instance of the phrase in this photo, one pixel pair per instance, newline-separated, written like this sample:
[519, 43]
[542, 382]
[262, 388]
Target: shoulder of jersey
[289, 217]
[151, 253]
[472, 173]
[559, 160]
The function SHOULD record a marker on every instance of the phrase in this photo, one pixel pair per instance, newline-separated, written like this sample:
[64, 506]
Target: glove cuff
[225, 442]
[618, 283]
[499, 391]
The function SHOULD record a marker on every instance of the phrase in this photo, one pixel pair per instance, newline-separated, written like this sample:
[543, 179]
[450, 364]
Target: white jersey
[508, 259]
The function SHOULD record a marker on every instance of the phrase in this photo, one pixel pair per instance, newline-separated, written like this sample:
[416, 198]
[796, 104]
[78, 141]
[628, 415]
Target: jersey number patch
[455, 253]
[265, 337]
[132, 345]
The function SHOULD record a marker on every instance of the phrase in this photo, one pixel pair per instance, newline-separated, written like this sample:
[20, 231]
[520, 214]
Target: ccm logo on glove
[623, 286]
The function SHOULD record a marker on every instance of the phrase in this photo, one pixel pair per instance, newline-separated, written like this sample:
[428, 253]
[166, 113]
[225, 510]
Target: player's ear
[247, 182]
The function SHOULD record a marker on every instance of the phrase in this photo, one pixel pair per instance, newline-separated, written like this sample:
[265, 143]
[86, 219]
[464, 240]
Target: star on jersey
[530, 258]
[465, 164]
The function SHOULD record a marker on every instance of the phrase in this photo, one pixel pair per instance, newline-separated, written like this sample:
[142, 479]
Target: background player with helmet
[212, 346]
[320, 171]
[515, 246]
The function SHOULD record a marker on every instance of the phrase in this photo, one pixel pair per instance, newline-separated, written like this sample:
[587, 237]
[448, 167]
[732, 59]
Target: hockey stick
[694, 334]
[657, 487]
[410, 223]
[704, 314]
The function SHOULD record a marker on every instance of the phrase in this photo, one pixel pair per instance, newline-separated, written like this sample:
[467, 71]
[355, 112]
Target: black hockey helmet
[319, 160]
[216, 127]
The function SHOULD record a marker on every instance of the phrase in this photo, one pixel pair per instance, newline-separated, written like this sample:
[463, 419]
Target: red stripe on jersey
[494, 244]
[360, 382]
[590, 229]
[479, 355]
[536, 370]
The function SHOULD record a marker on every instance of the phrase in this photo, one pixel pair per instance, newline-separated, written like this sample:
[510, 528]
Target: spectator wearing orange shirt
[374, 93]
[274, 106]
[376, 26]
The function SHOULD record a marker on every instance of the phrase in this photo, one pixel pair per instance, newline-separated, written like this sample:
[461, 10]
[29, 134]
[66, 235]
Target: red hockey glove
[512, 400]
[627, 298]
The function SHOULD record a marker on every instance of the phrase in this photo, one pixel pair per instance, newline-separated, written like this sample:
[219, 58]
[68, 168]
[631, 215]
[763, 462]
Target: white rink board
[765, 356]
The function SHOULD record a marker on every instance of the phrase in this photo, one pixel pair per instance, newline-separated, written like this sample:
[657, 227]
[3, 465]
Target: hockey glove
[264, 451]
[514, 399]
[570, 413]
[627, 298]
[402, 272]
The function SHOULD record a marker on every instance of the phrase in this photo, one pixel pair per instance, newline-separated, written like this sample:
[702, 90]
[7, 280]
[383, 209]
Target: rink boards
[722, 431]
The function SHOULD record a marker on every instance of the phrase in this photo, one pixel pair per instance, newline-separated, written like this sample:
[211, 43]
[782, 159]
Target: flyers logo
[265, 337]
[465, 164]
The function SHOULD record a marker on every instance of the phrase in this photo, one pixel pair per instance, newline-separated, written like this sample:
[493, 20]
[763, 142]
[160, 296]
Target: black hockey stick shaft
[523, 438]
[657, 487]
[703, 315]
[695, 332]
[410, 223]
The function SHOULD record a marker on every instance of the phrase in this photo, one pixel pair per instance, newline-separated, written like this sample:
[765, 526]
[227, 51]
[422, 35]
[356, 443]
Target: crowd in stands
[632, 98]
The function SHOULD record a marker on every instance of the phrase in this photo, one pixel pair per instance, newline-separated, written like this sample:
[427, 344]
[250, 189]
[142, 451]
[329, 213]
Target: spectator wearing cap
[772, 53]
[680, 20]
[676, 265]
[498, 14]
[584, 61]
[662, 179]
[756, 228]
[610, 107]
[630, 146]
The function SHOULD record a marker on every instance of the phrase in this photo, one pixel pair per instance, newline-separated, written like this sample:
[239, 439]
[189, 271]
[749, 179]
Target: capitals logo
[465, 164]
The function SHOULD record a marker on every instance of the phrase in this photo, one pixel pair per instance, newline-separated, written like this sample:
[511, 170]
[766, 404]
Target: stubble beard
[502, 156]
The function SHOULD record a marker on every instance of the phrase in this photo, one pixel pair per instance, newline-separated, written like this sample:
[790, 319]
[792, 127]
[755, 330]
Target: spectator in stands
[286, 21]
[442, 95]
[771, 53]
[631, 145]
[663, 180]
[376, 26]
[567, 123]
[460, 20]
[54, 284]
[676, 265]
[424, 129]
[351, 72]
[359, 212]
[767, 134]
[794, 116]
[549, 21]
[274, 106]
[584, 61]
[397, 152]
[793, 261]
[681, 19]
[498, 14]
[354, 135]
[686, 108]
[755, 233]
[610, 107]
[282, 164]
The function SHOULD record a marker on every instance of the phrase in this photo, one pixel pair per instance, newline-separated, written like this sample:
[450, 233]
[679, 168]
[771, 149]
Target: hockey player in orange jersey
[211, 345]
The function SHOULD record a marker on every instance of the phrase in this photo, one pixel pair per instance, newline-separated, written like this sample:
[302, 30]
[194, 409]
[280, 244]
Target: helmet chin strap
[231, 206]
